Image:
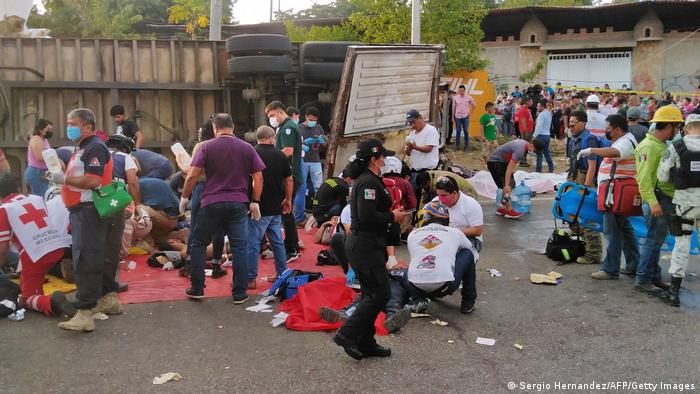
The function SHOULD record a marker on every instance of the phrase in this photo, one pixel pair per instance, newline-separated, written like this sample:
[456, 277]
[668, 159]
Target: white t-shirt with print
[626, 166]
[466, 212]
[429, 136]
[433, 249]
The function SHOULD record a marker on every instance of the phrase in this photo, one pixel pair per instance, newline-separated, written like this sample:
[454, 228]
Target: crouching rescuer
[681, 165]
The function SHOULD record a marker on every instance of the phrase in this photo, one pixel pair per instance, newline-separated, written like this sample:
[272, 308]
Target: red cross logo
[34, 215]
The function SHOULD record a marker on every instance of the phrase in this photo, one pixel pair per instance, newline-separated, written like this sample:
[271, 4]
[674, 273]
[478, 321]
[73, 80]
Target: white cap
[593, 99]
[392, 164]
[692, 118]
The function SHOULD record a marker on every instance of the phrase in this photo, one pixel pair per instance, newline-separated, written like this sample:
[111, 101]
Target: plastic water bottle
[52, 161]
[181, 154]
[523, 195]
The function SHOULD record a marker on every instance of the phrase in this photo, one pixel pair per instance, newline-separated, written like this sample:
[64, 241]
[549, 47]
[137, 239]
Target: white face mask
[273, 122]
[568, 132]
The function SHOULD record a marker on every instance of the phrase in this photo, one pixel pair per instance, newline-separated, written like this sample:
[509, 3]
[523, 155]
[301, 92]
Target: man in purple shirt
[229, 164]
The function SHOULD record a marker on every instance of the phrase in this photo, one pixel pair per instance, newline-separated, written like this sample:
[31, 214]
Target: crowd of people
[239, 200]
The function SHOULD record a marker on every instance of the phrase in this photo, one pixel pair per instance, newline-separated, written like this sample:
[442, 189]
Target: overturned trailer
[171, 87]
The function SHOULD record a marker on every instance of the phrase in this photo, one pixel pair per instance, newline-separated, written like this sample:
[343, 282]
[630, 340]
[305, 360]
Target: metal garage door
[591, 69]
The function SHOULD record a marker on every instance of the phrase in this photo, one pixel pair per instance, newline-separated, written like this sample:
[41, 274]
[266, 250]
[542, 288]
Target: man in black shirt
[331, 197]
[275, 201]
[125, 126]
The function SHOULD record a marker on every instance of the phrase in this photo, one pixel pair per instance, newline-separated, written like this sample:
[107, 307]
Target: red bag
[623, 193]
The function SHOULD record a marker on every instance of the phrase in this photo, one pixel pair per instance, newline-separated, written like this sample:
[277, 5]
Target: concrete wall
[503, 66]
[681, 64]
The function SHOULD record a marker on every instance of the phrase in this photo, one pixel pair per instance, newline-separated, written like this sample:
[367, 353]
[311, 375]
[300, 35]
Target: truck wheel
[322, 71]
[326, 50]
[258, 44]
[259, 65]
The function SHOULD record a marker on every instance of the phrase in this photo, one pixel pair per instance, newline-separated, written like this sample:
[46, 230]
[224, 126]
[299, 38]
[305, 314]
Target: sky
[257, 11]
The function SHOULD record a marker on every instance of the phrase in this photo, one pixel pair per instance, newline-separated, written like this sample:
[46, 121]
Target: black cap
[412, 115]
[371, 148]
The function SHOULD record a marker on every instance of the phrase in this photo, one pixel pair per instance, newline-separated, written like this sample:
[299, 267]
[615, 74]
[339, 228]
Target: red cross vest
[30, 223]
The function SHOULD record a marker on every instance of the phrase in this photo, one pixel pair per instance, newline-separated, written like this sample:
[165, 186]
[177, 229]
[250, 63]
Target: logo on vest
[113, 203]
[38, 216]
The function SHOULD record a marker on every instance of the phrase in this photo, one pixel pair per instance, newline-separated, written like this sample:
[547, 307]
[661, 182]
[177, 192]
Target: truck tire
[252, 65]
[258, 44]
[326, 50]
[322, 71]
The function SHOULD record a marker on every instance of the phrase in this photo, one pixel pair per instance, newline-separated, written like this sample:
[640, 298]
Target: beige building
[649, 46]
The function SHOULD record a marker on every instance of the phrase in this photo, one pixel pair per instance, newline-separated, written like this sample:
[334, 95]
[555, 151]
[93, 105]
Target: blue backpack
[287, 285]
[585, 137]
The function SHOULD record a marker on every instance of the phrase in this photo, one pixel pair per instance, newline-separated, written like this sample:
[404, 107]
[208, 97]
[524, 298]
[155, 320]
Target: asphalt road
[581, 331]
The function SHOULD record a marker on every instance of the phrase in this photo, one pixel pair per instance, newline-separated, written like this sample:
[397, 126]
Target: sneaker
[252, 284]
[331, 315]
[512, 214]
[218, 272]
[61, 306]
[309, 225]
[184, 271]
[121, 287]
[586, 260]
[196, 294]
[301, 224]
[418, 305]
[466, 306]
[267, 254]
[397, 320]
[648, 288]
[602, 275]
[237, 300]
[293, 256]
[501, 211]
[627, 271]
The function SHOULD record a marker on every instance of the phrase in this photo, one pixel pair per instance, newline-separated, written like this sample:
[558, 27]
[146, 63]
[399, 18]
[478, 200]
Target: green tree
[542, 3]
[195, 15]
[335, 9]
[87, 18]
[343, 32]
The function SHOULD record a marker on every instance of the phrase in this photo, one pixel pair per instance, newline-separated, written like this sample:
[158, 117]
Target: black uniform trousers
[96, 245]
[291, 238]
[367, 252]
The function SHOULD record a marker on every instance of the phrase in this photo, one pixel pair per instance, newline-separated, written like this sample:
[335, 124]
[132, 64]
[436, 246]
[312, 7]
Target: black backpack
[564, 247]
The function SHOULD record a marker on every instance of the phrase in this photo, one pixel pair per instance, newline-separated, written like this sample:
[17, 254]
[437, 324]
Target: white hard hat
[692, 118]
[392, 164]
[593, 99]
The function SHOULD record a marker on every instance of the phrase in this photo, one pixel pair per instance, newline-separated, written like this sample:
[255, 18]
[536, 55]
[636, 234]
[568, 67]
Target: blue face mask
[296, 121]
[311, 123]
[73, 133]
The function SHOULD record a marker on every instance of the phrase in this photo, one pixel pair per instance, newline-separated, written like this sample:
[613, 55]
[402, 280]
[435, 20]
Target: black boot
[61, 306]
[672, 296]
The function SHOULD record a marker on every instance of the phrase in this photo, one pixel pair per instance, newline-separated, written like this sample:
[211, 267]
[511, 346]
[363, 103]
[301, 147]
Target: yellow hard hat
[668, 113]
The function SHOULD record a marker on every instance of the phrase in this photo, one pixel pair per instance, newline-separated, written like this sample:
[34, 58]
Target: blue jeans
[545, 152]
[649, 270]
[218, 239]
[272, 226]
[232, 218]
[308, 170]
[35, 179]
[621, 239]
[462, 124]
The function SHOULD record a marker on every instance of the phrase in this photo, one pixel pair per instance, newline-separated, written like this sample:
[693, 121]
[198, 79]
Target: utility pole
[215, 21]
[272, 2]
[415, 22]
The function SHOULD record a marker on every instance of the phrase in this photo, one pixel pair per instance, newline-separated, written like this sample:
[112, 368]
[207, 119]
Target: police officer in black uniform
[366, 249]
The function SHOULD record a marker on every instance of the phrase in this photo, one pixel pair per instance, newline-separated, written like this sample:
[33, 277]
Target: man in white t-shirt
[423, 144]
[466, 214]
[617, 229]
[442, 258]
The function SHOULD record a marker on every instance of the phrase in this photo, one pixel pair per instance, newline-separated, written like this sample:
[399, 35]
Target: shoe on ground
[648, 288]
[301, 224]
[267, 254]
[627, 271]
[350, 348]
[122, 287]
[252, 284]
[272, 278]
[418, 305]
[662, 285]
[310, 224]
[374, 350]
[466, 306]
[60, 305]
[109, 304]
[184, 272]
[217, 271]
[602, 275]
[238, 300]
[331, 315]
[300, 245]
[396, 321]
[293, 256]
[586, 260]
[82, 321]
[501, 211]
[195, 294]
[513, 214]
